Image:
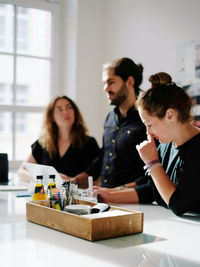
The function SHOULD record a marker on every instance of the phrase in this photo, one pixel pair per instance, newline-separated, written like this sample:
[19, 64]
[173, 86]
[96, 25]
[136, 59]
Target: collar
[131, 111]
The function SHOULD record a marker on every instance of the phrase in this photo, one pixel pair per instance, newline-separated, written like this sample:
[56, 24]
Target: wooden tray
[115, 222]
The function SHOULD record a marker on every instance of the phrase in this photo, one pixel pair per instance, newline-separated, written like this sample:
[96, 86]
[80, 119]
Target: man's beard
[120, 96]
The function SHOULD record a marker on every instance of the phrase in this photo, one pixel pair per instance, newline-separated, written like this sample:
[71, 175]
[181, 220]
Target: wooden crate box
[116, 222]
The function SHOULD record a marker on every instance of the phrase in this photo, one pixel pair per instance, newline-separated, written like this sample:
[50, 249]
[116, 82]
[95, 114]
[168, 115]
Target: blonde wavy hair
[49, 132]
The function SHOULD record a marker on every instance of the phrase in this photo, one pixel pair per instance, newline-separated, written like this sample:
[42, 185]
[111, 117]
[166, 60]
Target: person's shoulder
[197, 137]
[91, 143]
[192, 147]
[111, 118]
[36, 145]
[195, 141]
[37, 149]
[91, 139]
[112, 113]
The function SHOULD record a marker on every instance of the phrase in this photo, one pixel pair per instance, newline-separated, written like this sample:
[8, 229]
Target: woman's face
[63, 114]
[160, 129]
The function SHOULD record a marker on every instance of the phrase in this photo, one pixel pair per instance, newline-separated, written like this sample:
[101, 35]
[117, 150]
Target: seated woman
[173, 168]
[63, 143]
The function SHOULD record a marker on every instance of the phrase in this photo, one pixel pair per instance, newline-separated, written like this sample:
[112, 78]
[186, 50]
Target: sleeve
[186, 197]
[92, 149]
[93, 154]
[37, 151]
[145, 192]
[142, 180]
[94, 168]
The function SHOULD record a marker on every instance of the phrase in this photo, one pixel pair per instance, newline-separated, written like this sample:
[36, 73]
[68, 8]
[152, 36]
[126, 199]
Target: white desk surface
[167, 240]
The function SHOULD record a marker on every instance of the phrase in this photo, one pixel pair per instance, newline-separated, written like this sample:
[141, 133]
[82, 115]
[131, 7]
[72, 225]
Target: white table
[167, 240]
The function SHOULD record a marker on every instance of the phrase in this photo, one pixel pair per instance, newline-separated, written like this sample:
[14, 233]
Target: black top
[72, 162]
[182, 164]
[120, 162]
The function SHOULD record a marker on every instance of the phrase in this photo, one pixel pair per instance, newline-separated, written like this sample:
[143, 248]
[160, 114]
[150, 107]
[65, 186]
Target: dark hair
[49, 134]
[125, 67]
[159, 79]
[156, 101]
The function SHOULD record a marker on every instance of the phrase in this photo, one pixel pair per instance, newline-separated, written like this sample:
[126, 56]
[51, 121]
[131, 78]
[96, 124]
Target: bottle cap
[39, 176]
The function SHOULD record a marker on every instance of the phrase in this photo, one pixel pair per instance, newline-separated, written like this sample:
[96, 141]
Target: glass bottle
[39, 193]
[51, 187]
[51, 183]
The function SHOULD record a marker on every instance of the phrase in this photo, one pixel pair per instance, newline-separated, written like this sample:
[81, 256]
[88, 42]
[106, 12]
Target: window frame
[54, 8]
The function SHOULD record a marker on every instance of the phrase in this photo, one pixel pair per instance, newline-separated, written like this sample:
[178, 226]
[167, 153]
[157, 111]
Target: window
[25, 80]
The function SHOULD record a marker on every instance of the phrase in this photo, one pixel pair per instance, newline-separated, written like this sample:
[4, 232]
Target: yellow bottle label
[39, 196]
[57, 206]
[51, 185]
[39, 193]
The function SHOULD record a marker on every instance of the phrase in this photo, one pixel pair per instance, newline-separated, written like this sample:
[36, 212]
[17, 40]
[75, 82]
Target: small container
[78, 209]
[70, 193]
[89, 195]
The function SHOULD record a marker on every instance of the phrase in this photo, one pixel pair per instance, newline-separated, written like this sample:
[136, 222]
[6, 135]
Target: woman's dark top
[74, 160]
[182, 164]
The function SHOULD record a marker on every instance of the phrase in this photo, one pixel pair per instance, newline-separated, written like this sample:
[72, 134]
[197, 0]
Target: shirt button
[105, 180]
[113, 141]
[110, 154]
[107, 167]
[128, 131]
[117, 128]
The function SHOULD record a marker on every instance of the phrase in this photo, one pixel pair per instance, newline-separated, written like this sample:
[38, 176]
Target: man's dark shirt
[120, 162]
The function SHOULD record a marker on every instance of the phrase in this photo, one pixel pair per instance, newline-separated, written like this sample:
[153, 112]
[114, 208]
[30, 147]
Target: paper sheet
[110, 213]
[45, 170]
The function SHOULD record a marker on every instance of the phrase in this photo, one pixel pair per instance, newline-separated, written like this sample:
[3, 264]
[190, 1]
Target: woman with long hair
[64, 142]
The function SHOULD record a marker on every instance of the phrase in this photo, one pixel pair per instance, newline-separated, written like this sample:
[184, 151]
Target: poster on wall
[188, 73]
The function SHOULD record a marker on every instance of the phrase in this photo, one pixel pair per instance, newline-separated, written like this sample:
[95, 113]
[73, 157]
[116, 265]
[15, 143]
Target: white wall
[150, 30]
[146, 30]
[82, 59]
[90, 49]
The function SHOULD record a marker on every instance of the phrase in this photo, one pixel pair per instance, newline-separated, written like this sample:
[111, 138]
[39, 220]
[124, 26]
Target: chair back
[3, 168]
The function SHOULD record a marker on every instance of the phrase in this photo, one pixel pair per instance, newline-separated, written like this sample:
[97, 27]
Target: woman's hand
[147, 150]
